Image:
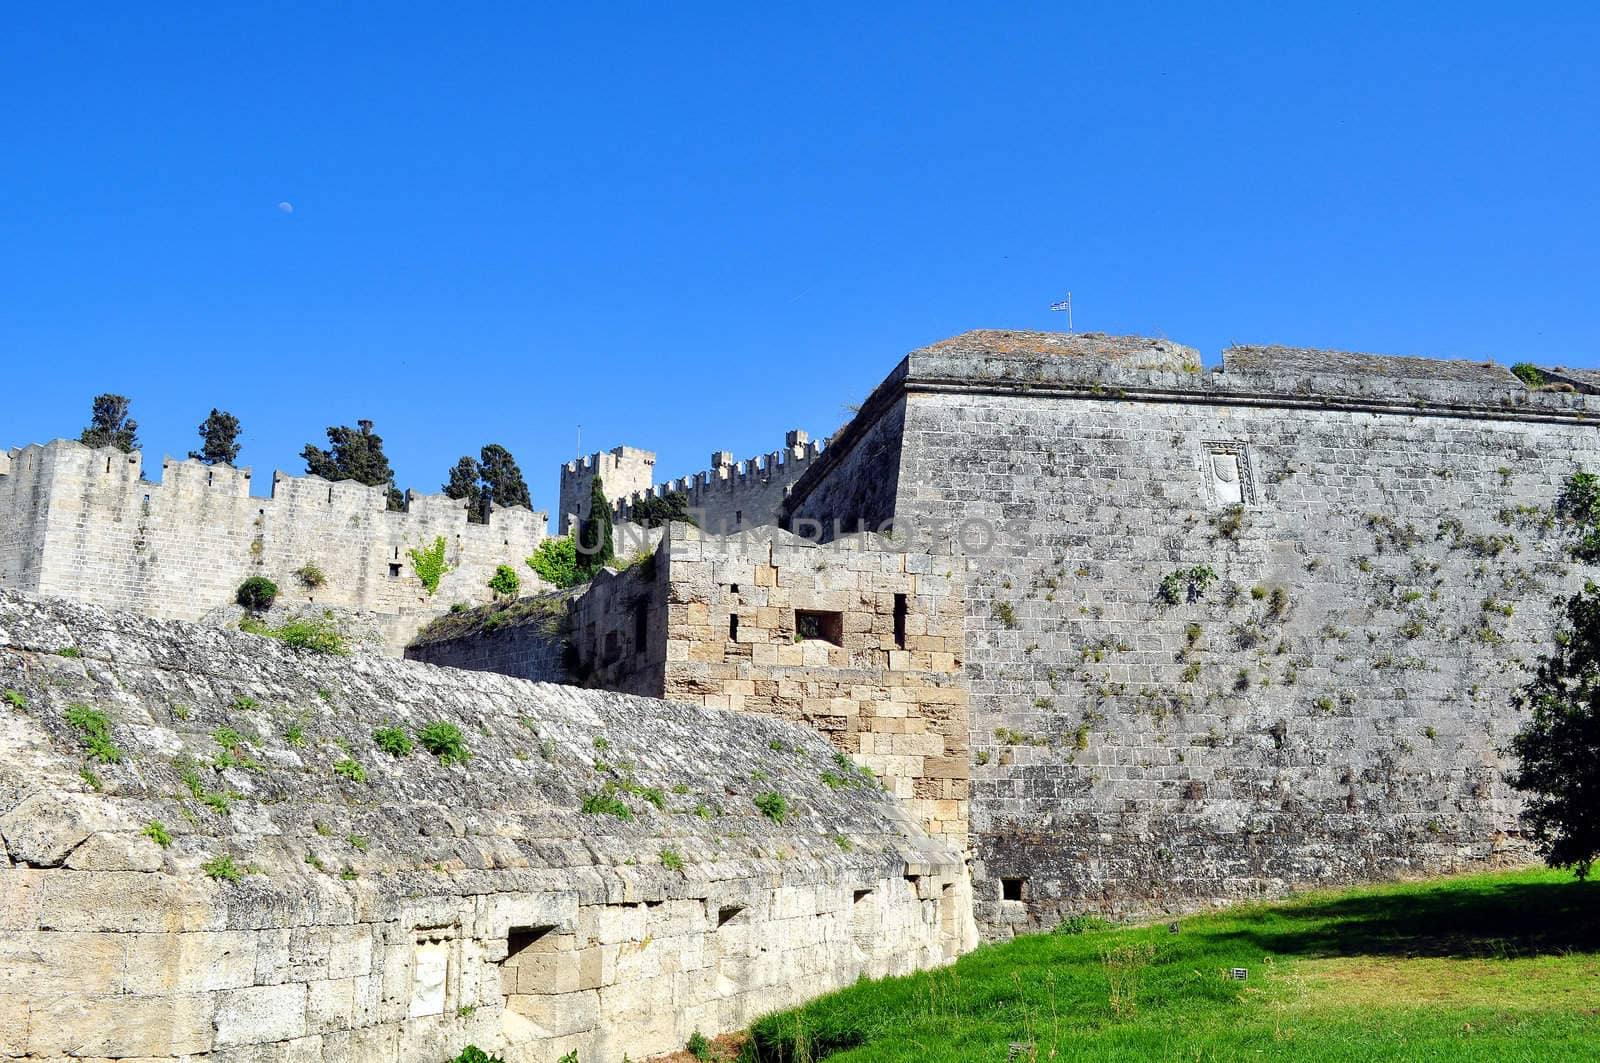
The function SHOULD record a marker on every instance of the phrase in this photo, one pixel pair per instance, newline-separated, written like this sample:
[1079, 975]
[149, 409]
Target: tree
[219, 439]
[110, 425]
[464, 483]
[502, 480]
[493, 482]
[595, 547]
[654, 512]
[1558, 748]
[354, 454]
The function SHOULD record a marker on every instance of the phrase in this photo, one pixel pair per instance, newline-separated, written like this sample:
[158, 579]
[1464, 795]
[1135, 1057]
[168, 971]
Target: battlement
[85, 522]
[737, 493]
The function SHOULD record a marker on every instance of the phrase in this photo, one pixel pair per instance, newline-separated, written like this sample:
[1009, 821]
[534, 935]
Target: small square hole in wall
[1011, 889]
[733, 588]
[861, 895]
[394, 571]
[728, 914]
[520, 939]
[819, 624]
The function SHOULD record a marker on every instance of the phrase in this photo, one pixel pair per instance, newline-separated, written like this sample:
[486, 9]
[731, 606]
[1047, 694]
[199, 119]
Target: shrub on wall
[429, 564]
[311, 575]
[505, 582]
[556, 561]
[257, 592]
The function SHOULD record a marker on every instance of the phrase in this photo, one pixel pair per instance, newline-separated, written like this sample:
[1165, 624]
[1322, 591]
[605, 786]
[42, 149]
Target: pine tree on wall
[464, 483]
[110, 425]
[502, 479]
[596, 549]
[219, 439]
[495, 482]
[354, 454]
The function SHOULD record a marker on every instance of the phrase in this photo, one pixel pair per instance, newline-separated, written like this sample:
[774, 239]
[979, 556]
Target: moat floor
[1484, 967]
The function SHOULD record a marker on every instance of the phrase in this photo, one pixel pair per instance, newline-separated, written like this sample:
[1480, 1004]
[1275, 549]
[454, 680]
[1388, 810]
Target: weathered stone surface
[400, 912]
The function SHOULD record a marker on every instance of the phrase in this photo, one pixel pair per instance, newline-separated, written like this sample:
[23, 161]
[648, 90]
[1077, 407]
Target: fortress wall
[181, 547]
[400, 917]
[1330, 710]
[24, 487]
[733, 495]
[887, 692]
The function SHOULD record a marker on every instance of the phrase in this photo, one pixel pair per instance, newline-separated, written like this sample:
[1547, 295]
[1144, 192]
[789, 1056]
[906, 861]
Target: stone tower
[624, 472]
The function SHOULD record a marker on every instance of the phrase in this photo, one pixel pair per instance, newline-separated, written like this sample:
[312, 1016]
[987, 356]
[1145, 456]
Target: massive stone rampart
[1251, 629]
[83, 523]
[367, 906]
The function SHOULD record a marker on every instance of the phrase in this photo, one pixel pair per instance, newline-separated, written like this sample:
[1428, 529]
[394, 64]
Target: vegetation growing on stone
[445, 741]
[474, 1054]
[256, 593]
[69, 651]
[1529, 374]
[773, 805]
[351, 769]
[556, 562]
[1579, 506]
[317, 634]
[1185, 584]
[16, 700]
[671, 860]
[94, 728]
[505, 582]
[223, 869]
[311, 575]
[393, 741]
[1006, 613]
[606, 804]
[429, 564]
[157, 832]
[697, 1046]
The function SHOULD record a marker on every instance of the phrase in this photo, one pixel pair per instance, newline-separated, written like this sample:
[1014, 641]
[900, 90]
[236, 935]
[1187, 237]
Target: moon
[286, 207]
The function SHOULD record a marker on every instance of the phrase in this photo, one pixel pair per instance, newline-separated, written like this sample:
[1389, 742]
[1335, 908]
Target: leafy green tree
[354, 454]
[110, 425]
[219, 439]
[654, 512]
[505, 583]
[596, 549]
[502, 479]
[556, 562]
[492, 482]
[1558, 748]
[465, 483]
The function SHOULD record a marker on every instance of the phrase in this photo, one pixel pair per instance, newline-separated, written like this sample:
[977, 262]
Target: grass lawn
[1482, 967]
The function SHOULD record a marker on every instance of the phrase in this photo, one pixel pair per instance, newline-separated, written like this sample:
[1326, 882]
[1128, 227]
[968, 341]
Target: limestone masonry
[1056, 624]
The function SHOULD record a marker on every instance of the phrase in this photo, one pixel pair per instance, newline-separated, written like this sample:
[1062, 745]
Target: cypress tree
[596, 548]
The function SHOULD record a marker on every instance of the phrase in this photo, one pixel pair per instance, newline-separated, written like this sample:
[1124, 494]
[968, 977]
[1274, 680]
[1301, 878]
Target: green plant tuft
[157, 832]
[95, 728]
[256, 593]
[429, 564]
[445, 741]
[505, 583]
[223, 869]
[351, 769]
[393, 741]
[671, 860]
[773, 805]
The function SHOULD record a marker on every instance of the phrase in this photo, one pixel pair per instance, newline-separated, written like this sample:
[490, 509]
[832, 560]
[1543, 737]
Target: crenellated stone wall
[248, 876]
[83, 523]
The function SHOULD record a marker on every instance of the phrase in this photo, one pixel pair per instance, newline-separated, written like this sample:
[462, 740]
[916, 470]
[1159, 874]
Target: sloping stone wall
[396, 907]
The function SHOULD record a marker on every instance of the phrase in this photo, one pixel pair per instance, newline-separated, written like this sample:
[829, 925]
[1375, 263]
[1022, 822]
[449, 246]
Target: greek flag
[1065, 304]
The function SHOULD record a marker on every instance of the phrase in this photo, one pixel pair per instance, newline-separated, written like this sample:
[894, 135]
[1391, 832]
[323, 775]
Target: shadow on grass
[1488, 919]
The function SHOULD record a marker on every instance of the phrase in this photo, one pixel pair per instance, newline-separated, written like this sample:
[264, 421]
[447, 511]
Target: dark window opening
[394, 571]
[1011, 889]
[733, 627]
[861, 895]
[521, 939]
[819, 624]
[900, 621]
[733, 588]
[726, 915]
[738, 517]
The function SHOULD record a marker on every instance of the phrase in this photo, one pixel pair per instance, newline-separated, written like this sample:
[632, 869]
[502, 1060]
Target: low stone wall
[243, 874]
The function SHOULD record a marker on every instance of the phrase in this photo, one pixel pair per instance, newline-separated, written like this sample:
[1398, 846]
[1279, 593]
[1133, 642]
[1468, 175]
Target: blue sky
[690, 227]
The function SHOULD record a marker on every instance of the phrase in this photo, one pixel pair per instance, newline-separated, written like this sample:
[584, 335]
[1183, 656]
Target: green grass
[1483, 967]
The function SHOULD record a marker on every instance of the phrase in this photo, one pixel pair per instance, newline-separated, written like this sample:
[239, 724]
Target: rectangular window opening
[394, 571]
[1011, 889]
[900, 608]
[728, 914]
[733, 627]
[526, 939]
[861, 895]
[733, 588]
[819, 624]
